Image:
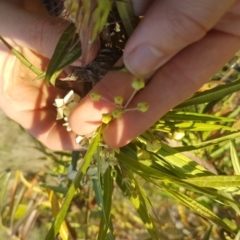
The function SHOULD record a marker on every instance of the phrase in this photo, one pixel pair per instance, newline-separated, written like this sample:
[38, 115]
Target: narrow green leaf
[177, 162]
[105, 229]
[180, 162]
[234, 204]
[234, 157]
[207, 235]
[237, 237]
[21, 58]
[212, 142]
[215, 181]
[127, 15]
[53, 231]
[190, 126]
[155, 175]
[75, 157]
[56, 189]
[193, 126]
[40, 76]
[198, 208]
[67, 51]
[142, 169]
[138, 199]
[212, 94]
[190, 116]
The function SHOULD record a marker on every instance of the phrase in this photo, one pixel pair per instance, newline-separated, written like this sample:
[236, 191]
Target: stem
[130, 99]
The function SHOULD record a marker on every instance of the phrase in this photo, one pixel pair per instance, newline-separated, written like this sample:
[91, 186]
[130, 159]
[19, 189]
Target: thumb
[167, 28]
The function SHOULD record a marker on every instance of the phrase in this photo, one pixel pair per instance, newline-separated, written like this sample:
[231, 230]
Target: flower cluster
[137, 85]
[65, 106]
[100, 162]
[105, 160]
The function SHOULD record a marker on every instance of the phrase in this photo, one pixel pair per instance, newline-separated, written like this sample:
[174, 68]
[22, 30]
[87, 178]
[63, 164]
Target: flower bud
[153, 145]
[117, 113]
[178, 134]
[142, 106]
[106, 118]
[138, 83]
[118, 100]
[142, 154]
[95, 96]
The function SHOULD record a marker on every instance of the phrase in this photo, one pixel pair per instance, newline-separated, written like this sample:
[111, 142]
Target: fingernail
[144, 60]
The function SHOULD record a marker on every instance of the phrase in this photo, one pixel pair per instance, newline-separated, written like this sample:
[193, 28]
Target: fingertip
[143, 60]
[119, 133]
[86, 117]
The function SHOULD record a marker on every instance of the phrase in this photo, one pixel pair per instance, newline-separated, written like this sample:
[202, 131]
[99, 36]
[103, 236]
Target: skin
[190, 42]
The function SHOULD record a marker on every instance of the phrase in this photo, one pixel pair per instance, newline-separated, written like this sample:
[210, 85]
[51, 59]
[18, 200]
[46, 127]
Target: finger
[176, 81]
[168, 27]
[86, 117]
[173, 83]
[32, 107]
[37, 32]
[43, 126]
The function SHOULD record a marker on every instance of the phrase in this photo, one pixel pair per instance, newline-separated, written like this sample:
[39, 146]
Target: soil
[17, 148]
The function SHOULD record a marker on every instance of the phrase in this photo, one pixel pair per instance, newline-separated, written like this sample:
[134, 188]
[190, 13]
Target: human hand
[181, 44]
[26, 101]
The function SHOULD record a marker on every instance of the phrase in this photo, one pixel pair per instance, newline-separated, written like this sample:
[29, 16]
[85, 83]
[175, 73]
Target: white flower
[83, 141]
[92, 171]
[71, 173]
[66, 105]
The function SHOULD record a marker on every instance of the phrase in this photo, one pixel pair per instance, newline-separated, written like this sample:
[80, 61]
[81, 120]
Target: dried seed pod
[89, 17]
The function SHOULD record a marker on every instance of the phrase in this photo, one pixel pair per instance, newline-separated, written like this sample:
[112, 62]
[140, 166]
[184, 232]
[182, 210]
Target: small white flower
[92, 171]
[104, 167]
[66, 105]
[68, 128]
[83, 141]
[71, 173]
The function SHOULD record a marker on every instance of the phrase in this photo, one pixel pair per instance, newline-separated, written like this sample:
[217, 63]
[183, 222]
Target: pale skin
[190, 41]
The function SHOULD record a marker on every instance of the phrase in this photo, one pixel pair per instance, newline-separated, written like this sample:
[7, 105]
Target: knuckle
[185, 28]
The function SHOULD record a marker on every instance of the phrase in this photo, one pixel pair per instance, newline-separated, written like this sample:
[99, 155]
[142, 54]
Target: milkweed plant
[190, 155]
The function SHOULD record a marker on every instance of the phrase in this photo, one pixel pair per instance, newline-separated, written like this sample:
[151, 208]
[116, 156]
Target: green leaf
[212, 94]
[198, 208]
[142, 169]
[212, 142]
[190, 126]
[75, 157]
[154, 175]
[21, 58]
[234, 157]
[67, 51]
[75, 185]
[56, 189]
[181, 163]
[127, 15]
[138, 199]
[190, 116]
[216, 182]
[237, 237]
[207, 235]
[105, 229]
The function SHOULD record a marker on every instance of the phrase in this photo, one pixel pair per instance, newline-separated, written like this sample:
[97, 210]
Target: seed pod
[89, 17]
